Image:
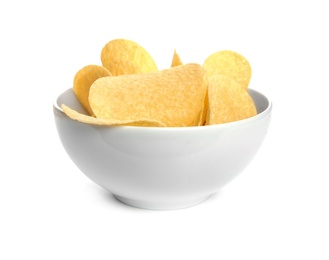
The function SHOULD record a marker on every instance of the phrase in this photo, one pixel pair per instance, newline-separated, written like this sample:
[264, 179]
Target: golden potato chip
[107, 121]
[228, 101]
[83, 80]
[176, 61]
[174, 96]
[230, 64]
[123, 67]
[121, 52]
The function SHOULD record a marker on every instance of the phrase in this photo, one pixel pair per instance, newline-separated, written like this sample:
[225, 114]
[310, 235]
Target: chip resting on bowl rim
[174, 97]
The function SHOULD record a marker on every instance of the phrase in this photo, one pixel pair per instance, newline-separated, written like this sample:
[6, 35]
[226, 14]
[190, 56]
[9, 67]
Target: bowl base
[161, 205]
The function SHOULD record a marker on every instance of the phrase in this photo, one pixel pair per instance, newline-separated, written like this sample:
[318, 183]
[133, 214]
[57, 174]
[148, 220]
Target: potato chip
[228, 101]
[176, 61]
[230, 64]
[174, 96]
[119, 53]
[123, 67]
[83, 80]
[107, 121]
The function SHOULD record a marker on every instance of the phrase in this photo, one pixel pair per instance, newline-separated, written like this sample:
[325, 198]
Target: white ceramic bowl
[162, 168]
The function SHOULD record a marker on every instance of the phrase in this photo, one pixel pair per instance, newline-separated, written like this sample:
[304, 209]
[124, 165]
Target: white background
[276, 209]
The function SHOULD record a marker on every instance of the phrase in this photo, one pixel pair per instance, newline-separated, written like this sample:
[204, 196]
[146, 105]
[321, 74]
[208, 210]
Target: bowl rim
[249, 120]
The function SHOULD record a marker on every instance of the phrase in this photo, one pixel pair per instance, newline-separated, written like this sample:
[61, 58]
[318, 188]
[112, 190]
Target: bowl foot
[162, 205]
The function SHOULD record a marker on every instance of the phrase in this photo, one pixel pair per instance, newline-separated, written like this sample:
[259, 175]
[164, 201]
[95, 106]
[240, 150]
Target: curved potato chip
[83, 80]
[228, 101]
[176, 61]
[174, 96]
[82, 118]
[230, 64]
[122, 51]
[122, 67]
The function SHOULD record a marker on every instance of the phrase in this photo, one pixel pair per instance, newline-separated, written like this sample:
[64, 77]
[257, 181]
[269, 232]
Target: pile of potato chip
[128, 89]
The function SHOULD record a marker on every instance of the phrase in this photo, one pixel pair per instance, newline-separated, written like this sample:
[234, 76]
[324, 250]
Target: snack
[230, 64]
[107, 121]
[129, 90]
[174, 96]
[176, 61]
[83, 80]
[123, 57]
[228, 101]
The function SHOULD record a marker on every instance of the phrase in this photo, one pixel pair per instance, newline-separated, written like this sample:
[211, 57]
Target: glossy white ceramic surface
[162, 168]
